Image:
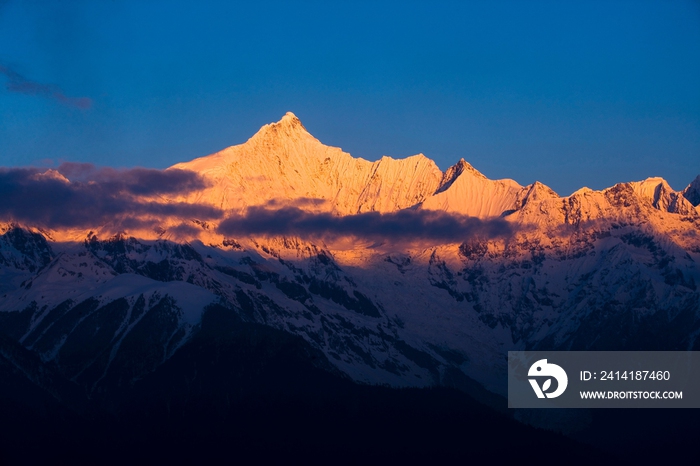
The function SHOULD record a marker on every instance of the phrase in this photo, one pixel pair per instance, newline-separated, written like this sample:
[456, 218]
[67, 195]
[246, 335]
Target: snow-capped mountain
[610, 269]
[284, 164]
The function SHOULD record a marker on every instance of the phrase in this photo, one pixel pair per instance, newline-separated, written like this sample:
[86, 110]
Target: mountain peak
[661, 196]
[454, 171]
[538, 191]
[289, 119]
[288, 126]
[692, 191]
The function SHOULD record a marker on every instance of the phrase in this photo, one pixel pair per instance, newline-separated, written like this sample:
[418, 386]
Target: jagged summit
[452, 173]
[289, 121]
[289, 126]
[692, 191]
[282, 161]
[659, 193]
[290, 117]
[283, 164]
[463, 165]
[538, 191]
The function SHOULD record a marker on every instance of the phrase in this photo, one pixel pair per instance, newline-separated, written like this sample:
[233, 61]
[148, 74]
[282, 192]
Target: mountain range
[389, 273]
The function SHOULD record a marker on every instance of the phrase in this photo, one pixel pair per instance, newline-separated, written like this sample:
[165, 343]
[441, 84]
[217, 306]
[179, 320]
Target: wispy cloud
[404, 225]
[18, 83]
[96, 196]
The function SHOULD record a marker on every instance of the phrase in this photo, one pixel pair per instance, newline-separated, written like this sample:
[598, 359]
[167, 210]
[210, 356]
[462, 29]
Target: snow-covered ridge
[284, 166]
[283, 162]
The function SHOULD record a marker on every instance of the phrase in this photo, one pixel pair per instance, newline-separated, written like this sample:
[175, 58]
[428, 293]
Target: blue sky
[568, 93]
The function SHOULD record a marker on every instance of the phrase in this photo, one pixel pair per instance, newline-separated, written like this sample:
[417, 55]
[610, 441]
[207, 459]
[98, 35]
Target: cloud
[48, 199]
[84, 196]
[404, 225]
[18, 83]
[137, 181]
